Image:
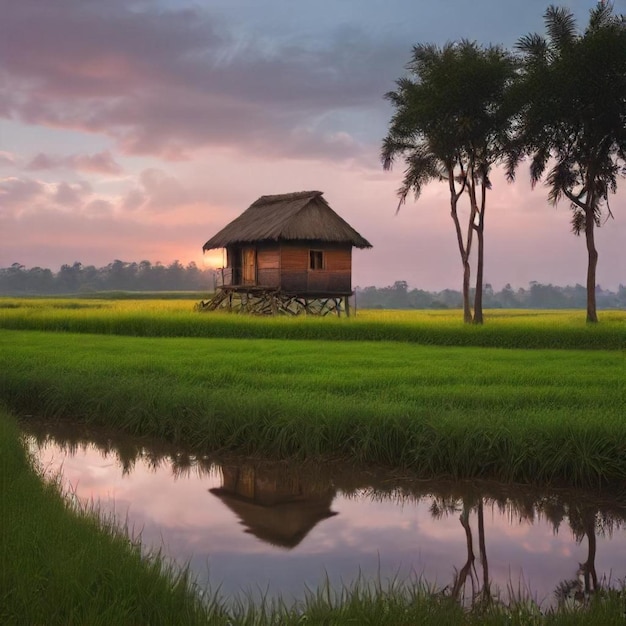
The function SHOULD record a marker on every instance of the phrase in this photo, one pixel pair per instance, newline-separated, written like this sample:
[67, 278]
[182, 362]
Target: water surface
[260, 527]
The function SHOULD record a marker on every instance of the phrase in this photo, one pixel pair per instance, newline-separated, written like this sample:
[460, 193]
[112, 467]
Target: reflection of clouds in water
[511, 530]
[374, 534]
[541, 545]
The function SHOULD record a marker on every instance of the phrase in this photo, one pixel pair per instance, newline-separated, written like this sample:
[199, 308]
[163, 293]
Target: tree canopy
[572, 117]
[450, 125]
[560, 102]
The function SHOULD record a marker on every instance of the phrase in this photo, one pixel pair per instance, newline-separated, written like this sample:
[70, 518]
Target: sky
[136, 129]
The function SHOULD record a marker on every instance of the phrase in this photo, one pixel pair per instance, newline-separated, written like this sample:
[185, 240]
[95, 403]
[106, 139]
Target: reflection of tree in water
[480, 591]
[126, 450]
[585, 520]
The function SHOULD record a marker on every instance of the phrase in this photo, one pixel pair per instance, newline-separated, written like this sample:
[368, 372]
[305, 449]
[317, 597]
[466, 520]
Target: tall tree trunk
[461, 576]
[483, 552]
[480, 261]
[464, 249]
[467, 310]
[592, 256]
[478, 294]
[589, 566]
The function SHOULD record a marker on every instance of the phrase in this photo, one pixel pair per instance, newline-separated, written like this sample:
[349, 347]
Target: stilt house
[291, 244]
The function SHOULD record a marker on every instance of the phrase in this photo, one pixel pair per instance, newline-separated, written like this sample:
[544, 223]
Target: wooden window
[316, 259]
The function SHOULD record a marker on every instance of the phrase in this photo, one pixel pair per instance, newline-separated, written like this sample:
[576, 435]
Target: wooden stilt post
[260, 301]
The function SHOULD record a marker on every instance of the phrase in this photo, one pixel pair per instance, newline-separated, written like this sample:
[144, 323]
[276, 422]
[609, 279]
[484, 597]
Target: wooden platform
[263, 301]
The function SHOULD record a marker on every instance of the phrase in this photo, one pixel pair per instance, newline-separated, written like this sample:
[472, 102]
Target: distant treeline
[116, 276]
[77, 278]
[537, 296]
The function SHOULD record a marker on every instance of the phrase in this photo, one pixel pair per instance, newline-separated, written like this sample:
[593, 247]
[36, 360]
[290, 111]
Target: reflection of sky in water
[376, 537]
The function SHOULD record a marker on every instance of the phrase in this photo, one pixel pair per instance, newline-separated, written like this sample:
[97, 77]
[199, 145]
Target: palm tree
[572, 118]
[449, 126]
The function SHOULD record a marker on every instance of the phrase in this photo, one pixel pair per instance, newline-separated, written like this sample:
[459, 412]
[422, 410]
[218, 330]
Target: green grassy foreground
[523, 415]
[62, 565]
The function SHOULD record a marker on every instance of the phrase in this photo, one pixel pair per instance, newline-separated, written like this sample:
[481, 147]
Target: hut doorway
[249, 266]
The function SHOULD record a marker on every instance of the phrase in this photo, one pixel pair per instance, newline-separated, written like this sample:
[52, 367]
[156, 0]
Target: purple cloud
[165, 83]
[162, 191]
[15, 192]
[71, 195]
[26, 194]
[99, 163]
[155, 192]
[43, 162]
[6, 159]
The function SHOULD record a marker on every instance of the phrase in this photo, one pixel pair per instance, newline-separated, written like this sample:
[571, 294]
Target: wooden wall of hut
[268, 265]
[298, 275]
[305, 267]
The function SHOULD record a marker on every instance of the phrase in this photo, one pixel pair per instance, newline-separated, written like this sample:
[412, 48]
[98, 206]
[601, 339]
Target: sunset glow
[137, 130]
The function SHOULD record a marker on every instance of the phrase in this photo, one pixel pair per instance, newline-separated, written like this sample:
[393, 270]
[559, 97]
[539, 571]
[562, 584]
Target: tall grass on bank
[524, 415]
[176, 318]
[62, 566]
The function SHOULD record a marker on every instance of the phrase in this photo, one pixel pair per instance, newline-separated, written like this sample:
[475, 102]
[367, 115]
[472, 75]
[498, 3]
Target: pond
[261, 528]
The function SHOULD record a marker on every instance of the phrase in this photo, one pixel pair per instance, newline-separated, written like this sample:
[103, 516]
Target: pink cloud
[71, 195]
[98, 207]
[99, 163]
[17, 192]
[163, 191]
[165, 83]
[158, 192]
[133, 200]
[155, 192]
[43, 162]
[6, 158]
[26, 195]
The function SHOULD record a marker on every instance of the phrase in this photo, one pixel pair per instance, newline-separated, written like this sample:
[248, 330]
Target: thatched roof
[303, 215]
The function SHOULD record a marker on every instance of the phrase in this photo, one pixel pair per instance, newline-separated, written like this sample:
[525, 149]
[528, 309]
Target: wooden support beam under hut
[289, 254]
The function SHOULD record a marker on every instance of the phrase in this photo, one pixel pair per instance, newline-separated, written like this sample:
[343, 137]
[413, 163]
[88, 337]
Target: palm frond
[578, 220]
[511, 162]
[538, 164]
[561, 180]
[393, 146]
[533, 46]
[561, 26]
[424, 56]
[422, 167]
[600, 16]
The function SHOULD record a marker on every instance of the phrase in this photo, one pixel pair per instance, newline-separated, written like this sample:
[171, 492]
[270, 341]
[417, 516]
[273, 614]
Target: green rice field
[546, 406]
[176, 318]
